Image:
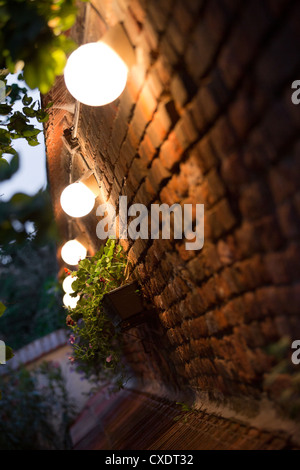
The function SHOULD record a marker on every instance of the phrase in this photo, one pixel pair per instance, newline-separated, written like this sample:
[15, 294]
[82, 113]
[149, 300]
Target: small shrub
[95, 339]
[35, 409]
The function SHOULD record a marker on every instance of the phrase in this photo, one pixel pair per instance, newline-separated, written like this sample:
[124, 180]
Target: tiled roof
[132, 420]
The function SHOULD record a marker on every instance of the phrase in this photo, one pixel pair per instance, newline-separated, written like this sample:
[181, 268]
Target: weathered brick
[132, 25]
[171, 151]
[158, 12]
[244, 41]
[164, 119]
[204, 153]
[158, 174]
[182, 88]
[218, 220]
[206, 117]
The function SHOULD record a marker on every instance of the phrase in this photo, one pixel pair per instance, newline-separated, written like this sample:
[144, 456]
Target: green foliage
[32, 39]
[95, 339]
[17, 124]
[2, 309]
[35, 410]
[21, 209]
[28, 285]
[184, 407]
[186, 411]
[28, 267]
[8, 353]
[31, 293]
[32, 34]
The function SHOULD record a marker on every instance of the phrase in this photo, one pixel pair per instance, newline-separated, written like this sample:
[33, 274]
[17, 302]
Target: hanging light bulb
[67, 284]
[96, 73]
[72, 252]
[78, 199]
[69, 301]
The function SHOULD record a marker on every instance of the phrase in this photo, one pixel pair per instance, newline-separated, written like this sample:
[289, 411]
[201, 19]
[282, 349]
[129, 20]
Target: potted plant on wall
[105, 302]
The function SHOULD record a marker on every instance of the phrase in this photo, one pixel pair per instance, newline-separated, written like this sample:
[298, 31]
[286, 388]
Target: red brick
[218, 220]
[182, 88]
[146, 149]
[176, 38]
[151, 35]
[243, 42]
[158, 174]
[289, 222]
[171, 151]
[143, 195]
[164, 119]
[132, 26]
[205, 155]
[158, 13]
[185, 130]
[283, 179]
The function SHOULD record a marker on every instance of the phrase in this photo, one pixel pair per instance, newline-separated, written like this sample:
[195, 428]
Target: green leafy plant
[36, 410]
[32, 36]
[186, 411]
[33, 40]
[2, 309]
[17, 124]
[30, 292]
[95, 339]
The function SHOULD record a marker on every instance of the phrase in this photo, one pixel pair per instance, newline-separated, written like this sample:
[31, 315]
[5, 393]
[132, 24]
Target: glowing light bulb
[69, 301]
[77, 200]
[72, 252]
[95, 74]
[67, 284]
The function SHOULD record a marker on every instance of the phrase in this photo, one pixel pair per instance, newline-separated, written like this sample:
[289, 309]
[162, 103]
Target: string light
[72, 252]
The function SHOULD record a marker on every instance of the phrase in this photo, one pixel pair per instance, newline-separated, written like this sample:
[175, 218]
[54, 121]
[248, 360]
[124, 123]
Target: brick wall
[206, 117]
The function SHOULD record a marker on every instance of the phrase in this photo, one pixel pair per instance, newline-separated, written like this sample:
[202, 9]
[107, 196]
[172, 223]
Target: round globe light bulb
[69, 301]
[67, 284]
[77, 200]
[72, 252]
[95, 74]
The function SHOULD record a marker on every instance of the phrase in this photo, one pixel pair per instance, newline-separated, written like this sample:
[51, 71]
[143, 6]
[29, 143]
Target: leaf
[60, 61]
[14, 164]
[75, 285]
[2, 309]
[9, 353]
[30, 112]
[27, 100]
[30, 132]
[42, 116]
[4, 169]
[32, 143]
[5, 109]
[18, 122]
[50, 104]
[20, 199]
[4, 136]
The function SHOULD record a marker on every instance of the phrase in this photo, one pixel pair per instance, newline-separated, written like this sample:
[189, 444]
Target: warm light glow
[67, 284]
[72, 252]
[77, 200]
[95, 74]
[69, 301]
